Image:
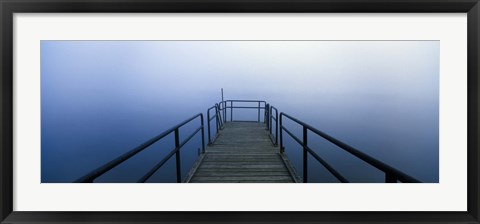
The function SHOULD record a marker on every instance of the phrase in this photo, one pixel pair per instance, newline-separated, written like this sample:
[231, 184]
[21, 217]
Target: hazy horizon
[100, 99]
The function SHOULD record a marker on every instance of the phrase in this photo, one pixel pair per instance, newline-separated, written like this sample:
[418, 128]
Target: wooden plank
[241, 181]
[243, 148]
[243, 160]
[236, 170]
[242, 153]
[243, 178]
[241, 166]
[220, 156]
[250, 152]
[233, 174]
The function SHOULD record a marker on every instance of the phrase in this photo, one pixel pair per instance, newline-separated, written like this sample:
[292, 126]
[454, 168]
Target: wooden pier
[245, 151]
[242, 153]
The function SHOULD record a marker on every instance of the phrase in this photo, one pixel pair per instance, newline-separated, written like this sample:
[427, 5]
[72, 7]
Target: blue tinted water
[100, 99]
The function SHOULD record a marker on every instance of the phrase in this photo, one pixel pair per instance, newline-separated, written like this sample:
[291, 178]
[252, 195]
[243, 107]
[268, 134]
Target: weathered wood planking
[242, 153]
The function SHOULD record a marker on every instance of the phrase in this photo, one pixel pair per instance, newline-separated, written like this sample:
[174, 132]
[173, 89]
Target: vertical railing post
[220, 117]
[177, 156]
[266, 116]
[282, 149]
[208, 125]
[270, 118]
[258, 119]
[216, 118]
[276, 127]
[224, 111]
[305, 158]
[231, 110]
[203, 133]
[217, 121]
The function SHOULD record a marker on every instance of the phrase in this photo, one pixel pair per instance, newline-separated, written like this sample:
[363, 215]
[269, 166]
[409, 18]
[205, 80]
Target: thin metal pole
[305, 158]
[231, 110]
[270, 118]
[219, 117]
[222, 94]
[258, 112]
[267, 116]
[208, 125]
[203, 134]
[224, 111]
[216, 118]
[276, 127]
[177, 156]
[282, 149]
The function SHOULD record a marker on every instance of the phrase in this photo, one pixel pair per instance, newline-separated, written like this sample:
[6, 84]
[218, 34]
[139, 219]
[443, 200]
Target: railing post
[219, 114]
[265, 114]
[276, 127]
[224, 111]
[231, 110]
[305, 154]
[266, 117]
[282, 149]
[258, 120]
[208, 125]
[216, 118]
[270, 119]
[217, 123]
[177, 156]
[203, 133]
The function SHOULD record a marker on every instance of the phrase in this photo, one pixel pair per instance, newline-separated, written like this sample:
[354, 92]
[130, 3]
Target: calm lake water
[100, 99]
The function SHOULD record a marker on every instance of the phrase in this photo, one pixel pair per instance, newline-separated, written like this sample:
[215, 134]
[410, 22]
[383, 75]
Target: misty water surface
[100, 99]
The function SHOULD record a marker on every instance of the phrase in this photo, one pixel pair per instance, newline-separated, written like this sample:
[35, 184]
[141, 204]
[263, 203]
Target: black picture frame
[9, 7]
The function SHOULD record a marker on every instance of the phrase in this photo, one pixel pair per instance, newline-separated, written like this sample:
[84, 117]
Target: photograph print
[239, 111]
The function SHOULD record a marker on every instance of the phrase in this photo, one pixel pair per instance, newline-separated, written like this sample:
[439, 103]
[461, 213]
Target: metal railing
[261, 105]
[392, 175]
[221, 116]
[218, 121]
[91, 176]
[270, 119]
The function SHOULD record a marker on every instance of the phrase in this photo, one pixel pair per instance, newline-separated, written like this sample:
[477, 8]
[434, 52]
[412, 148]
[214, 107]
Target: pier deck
[242, 153]
[246, 151]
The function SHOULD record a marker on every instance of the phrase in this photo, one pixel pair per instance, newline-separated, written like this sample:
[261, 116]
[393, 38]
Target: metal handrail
[218, 121]
[269, 124]
[223, 107]
[392, 175]
[91, 176]
[267, 115]
[231, 107]
[221, 114]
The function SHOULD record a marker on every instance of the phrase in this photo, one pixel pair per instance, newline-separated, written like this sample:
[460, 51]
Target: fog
[100, 99]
